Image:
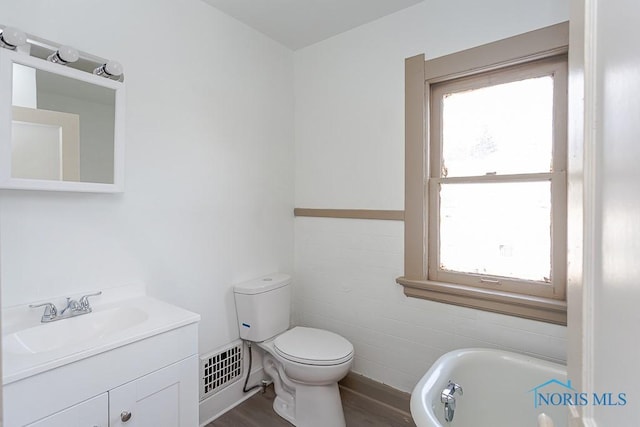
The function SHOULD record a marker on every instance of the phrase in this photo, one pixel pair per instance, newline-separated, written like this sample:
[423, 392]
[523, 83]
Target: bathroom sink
[53, 336]
[120, 317]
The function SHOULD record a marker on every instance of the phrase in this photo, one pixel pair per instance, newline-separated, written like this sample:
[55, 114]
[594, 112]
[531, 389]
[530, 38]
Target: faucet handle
[457, 388]
[50, 311]
[84, 300]
[447, 395]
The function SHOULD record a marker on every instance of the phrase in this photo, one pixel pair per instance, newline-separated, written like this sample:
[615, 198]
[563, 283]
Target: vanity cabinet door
[165, 398]
[91, 413]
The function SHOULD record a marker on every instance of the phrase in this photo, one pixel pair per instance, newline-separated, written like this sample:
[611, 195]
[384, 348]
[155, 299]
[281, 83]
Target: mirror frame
[7, 59]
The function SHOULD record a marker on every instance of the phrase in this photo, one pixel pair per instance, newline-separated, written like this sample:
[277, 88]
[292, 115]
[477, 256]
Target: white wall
[209, 173]
[349, 132]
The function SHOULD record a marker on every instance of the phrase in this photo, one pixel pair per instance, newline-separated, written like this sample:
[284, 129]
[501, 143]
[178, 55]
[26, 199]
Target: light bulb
[111, 69]
[64, 55]
[12, 37]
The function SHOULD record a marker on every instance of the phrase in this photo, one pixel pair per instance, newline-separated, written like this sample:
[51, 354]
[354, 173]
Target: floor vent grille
[218, 370]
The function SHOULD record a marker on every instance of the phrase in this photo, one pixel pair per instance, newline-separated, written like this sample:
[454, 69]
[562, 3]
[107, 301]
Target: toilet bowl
[305, 364]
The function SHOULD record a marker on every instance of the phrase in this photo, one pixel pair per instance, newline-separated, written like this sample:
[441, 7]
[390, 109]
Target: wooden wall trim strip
[351, 213]
[381, 393]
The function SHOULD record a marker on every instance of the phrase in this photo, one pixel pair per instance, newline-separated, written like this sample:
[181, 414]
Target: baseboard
[389, 396]
[228, 398]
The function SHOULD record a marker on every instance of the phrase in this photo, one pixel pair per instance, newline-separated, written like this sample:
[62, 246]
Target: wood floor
[359, 411]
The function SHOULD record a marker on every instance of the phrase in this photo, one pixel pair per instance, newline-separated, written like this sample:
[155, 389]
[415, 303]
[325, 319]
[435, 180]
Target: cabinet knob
[125, 416]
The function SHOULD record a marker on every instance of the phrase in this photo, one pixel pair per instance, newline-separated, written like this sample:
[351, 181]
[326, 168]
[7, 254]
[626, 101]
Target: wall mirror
[60, 128]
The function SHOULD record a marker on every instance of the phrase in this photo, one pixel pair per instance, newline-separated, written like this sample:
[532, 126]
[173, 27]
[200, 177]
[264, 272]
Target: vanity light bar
[15, 39]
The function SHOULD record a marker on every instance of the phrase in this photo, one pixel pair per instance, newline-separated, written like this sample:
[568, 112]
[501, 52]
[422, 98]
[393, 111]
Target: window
[496, 187]
[485, 203]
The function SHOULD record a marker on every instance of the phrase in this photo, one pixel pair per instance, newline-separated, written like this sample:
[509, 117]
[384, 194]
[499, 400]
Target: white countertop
[132, 318]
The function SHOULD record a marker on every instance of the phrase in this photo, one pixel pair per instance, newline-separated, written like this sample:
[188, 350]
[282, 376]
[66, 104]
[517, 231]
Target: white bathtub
[498, 390]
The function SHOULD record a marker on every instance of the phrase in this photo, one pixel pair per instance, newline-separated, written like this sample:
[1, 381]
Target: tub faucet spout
[449, 410]
[448, 398]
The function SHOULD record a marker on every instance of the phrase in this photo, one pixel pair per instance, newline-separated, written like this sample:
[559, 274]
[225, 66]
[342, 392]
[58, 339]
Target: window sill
[529, 307]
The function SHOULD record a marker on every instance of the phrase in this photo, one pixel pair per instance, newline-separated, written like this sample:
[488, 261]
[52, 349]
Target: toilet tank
[263, 306]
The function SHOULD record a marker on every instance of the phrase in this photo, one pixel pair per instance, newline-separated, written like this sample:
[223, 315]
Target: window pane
[505, 129]
[500, 229]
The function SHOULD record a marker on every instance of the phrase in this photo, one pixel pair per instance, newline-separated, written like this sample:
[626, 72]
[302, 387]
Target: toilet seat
[312, 346]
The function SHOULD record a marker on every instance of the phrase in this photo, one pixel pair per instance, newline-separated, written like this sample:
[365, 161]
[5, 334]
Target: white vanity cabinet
[164, 398]
[92, 413]
[161, 399]
[148, 377]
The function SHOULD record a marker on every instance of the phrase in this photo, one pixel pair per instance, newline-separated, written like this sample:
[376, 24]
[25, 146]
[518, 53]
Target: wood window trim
[526, 306]
[419, 75]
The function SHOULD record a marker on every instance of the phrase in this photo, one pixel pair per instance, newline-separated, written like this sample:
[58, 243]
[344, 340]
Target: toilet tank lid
[262, 284]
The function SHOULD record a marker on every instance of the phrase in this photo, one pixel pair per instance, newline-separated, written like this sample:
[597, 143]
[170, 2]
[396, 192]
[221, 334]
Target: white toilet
[304, 363]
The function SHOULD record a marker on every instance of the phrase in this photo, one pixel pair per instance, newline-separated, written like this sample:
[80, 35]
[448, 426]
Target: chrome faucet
[72, 309]
[72, 305]
[448, 398]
